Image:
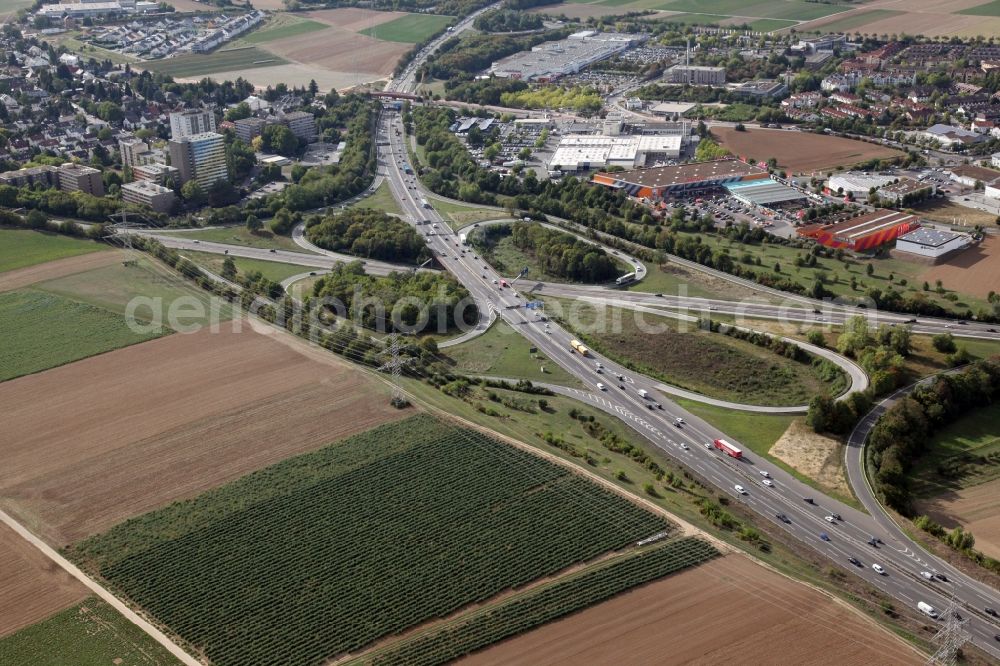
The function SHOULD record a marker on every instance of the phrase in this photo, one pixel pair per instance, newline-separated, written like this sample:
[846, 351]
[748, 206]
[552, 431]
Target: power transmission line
[950, 638]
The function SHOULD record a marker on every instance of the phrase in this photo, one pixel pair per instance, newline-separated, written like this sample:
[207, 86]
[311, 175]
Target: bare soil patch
[90, 444]
[51, 270]
[340, 50]
[31, 585]
[801, 152]
[976, 509]
[818, 457]
[295, 75]
[679, 620]
[975, 271]
[352, 19]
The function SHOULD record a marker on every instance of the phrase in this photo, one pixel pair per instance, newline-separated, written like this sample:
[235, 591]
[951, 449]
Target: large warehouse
[666, 181]
[932, 244]
[865, 232]
[766, 194]
[550, 60]
[578, 152]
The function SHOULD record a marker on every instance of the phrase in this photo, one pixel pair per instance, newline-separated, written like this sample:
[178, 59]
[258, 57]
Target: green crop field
[409, 29]
[13, 5]
[272, 270]
[283, 26]
[964, 454]
[712, 364]
[114, 287]
[91, 633]
[197, 64]
[360, 540]
[20, 248]
[41, 331]
[540, 605]
[985, 9]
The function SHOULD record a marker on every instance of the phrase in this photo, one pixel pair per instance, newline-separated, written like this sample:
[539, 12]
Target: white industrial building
[930, 243]
[856, 184]
[550, 60]
[577, 152]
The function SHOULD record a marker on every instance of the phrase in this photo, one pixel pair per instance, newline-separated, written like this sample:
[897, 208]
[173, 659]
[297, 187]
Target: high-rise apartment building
[200, 157]
[190, 122]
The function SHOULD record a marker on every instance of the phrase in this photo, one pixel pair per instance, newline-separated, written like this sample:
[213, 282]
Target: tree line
[903, 432]
[507, 20]
[443, 300]
[563, 255]
[365, 232]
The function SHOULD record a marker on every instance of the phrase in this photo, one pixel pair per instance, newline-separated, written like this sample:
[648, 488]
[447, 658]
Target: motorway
[654, 418]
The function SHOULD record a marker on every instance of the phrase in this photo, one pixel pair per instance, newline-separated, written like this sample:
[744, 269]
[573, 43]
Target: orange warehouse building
[665, 181]
[865, 232]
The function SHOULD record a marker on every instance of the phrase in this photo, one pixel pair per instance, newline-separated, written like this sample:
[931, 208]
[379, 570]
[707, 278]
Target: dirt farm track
[92, 443]
[800, 152]
[727, 611]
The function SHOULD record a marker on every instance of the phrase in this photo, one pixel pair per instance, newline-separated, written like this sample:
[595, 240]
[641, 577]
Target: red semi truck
[728, 448]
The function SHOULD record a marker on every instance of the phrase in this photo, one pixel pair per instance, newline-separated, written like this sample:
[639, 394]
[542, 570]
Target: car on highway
[767, 482]
[990, 611]
[927, 574]
[601, 387]
[764, 473]
[879, 569]
[855, 561]
[685, 446]
[678, 420]
[830, 519]
[836, 516]
[941, 577]
[272, 250]
[740, 489]
[824, 536]
[808, 500]
[873, 542]
[783, 518]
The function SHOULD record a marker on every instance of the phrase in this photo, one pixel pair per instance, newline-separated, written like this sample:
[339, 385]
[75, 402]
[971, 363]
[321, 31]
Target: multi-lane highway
[791, 505]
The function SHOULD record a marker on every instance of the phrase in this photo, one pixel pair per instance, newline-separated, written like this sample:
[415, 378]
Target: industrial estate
[499, 332]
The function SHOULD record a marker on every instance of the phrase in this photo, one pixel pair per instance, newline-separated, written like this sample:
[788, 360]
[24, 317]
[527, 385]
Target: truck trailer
[579, 348]
[728, 449]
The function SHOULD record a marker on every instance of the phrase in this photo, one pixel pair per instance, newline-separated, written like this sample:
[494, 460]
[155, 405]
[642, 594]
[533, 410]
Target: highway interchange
[902, 559]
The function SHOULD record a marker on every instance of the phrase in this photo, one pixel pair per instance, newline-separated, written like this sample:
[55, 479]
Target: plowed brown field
[32, 587]
[975, 271]
[976, 509]
[727, 611]
[801, 152]
[92, 443]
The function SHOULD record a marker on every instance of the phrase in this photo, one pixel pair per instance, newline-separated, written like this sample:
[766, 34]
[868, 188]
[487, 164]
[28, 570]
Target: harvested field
[976, 509]
[295, 75]
[31, 585]
[920, 17]
[975, 271]
[90, 444]
[800, 152]
[352, 19]
[338, 50]
[819, 458]
[679, 617]
[51, 270]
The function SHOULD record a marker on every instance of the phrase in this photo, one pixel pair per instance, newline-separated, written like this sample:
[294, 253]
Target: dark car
[941, 577]
[990, 611]
[808, 500]
[824, 536]
[782, 517]
[855, 561]
[873, 542]
[836, 516]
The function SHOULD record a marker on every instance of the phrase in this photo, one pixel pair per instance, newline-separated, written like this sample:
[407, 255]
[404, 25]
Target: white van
[927, 609]
[643, 393]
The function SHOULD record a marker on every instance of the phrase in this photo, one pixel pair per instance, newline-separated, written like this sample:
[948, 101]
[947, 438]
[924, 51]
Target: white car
[600, 387]
[768, 482]
[685, 446]
[764, 473]
[740, 489]
[678, 420]
[927, 574]
[878, 569]
[830, 519]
